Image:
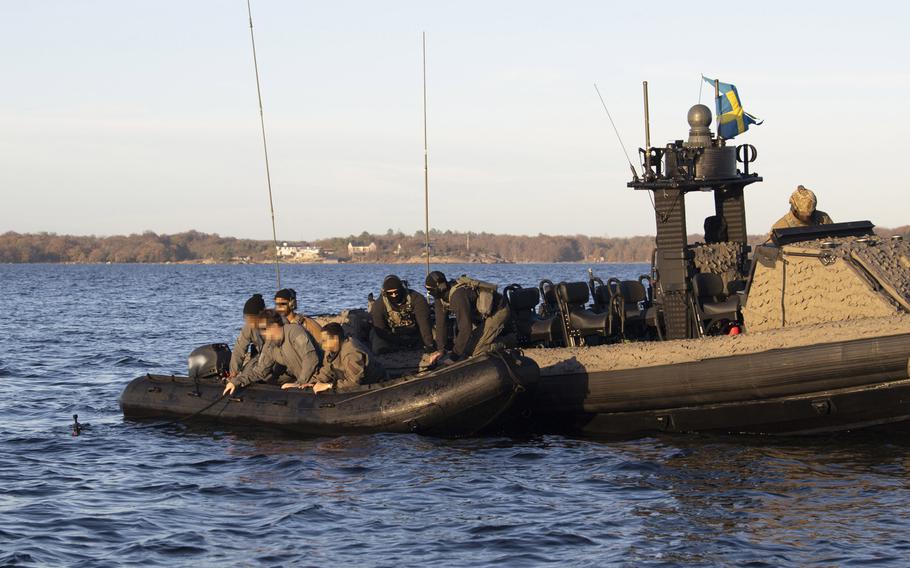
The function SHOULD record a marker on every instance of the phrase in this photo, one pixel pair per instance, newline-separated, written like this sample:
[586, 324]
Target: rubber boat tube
[462, 399]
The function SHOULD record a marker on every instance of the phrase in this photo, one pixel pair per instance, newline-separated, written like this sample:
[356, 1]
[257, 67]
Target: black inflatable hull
[462, 399]
[802, 390]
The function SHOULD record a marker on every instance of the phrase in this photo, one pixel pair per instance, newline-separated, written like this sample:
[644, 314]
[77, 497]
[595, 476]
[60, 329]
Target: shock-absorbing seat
[530, 328]
[578, 322]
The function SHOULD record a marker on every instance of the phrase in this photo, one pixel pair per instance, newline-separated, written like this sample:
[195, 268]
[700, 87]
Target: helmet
[803, 201]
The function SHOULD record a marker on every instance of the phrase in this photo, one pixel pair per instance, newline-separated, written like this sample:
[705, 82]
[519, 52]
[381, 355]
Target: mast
[265, 148]
[426, 168]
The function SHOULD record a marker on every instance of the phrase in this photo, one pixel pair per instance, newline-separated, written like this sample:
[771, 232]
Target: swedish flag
[732, 119]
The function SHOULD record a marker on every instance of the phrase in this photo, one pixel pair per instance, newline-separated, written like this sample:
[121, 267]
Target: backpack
[486, 293]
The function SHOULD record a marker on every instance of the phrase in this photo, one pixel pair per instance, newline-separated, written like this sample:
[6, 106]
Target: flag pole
[716, 109]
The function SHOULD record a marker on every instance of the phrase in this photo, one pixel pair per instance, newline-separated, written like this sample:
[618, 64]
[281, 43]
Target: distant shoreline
[193, 247]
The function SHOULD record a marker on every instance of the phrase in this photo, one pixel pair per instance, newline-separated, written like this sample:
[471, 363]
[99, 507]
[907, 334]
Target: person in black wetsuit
[481, 314]
[401, 319]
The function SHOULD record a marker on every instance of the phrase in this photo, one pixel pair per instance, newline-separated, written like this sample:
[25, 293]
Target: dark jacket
[249, 335]
[351, 366]
[414, 308]
[297, 352]
[461, 302]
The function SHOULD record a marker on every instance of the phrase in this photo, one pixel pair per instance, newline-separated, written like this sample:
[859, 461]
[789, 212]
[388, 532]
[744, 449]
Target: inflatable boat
[462, 399]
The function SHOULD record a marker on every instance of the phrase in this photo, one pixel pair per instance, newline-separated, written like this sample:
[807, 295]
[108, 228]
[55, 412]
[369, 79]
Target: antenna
[426, 169]
[618, 137]
[644, 87]
[265, 147]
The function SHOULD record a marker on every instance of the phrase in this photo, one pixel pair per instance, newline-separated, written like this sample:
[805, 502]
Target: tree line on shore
[392, 246]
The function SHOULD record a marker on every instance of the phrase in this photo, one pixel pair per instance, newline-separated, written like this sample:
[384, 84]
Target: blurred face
[251, 320]
[273, 333]
[281, 306]
[330, 343]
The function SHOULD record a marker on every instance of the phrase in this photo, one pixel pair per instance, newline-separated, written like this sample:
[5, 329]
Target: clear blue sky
[119, 117]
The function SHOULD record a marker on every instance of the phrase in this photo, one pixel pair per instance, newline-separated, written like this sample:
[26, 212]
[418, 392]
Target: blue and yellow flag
[732, 119]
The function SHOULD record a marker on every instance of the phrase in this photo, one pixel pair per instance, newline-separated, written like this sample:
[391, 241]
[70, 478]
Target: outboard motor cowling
[209, 361]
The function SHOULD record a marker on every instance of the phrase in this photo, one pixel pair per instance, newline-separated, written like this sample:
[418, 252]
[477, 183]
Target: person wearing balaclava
[803, 212]
[249, 342]
[474, 332]
[401, 319]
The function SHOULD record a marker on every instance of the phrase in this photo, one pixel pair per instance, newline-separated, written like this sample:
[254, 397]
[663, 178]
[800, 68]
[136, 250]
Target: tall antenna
[618, 137]
[426, 168]
[265, 147]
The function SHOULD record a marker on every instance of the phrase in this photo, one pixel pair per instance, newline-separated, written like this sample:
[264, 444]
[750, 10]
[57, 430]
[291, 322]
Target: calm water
[128, 494]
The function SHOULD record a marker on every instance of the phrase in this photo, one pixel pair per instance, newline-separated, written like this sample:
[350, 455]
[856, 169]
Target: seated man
[481, 314]
[286, 305]
[802, 211]
[347, 363]
[287, 346]
[401, 319]
[249, 342]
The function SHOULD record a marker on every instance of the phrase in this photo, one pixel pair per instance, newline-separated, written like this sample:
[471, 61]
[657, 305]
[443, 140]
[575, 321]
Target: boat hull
[801, 390]
[462, 399]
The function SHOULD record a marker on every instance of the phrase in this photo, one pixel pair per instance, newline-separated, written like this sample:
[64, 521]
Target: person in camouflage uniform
[802, 211]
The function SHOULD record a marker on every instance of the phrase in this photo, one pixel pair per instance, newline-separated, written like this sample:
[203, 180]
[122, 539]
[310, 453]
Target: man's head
[271, 326]
[332, 336]
[436, 283]
[803, 203]
[394, 289]
[285, 301]
[251, 309]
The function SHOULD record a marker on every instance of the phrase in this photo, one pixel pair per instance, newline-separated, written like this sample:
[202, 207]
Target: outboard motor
[207, 361]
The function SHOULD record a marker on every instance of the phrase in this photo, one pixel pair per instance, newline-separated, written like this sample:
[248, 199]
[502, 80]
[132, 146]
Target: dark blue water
[125, 494]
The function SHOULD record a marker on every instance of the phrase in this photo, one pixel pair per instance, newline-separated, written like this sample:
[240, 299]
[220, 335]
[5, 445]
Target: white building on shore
[299, 253]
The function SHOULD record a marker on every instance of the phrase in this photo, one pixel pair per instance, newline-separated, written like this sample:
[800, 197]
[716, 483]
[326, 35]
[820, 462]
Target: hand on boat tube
[435, 357]
[286, 386]
[319, 387]
[229, 389]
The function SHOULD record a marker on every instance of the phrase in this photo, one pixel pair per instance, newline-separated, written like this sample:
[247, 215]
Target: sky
[119, 117]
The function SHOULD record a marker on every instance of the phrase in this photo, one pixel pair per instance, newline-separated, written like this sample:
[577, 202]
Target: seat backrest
[708, 285]
[524, 299]
[573, 293]
[633, 291]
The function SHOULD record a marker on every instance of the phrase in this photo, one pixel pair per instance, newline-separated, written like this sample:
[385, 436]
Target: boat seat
[529, 327]
[578, 321]
[634, 298]
[711, 303]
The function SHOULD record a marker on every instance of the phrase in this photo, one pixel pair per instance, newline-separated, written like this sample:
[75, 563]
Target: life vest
[401, 316]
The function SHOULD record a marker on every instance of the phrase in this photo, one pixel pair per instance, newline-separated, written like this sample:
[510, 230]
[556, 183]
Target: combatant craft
[806, 333]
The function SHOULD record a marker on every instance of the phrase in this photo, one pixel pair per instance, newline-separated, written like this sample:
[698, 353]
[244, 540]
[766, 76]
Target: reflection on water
[127, 493]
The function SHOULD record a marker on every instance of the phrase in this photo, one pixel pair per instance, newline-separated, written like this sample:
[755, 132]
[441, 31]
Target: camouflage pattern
[803, 201]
